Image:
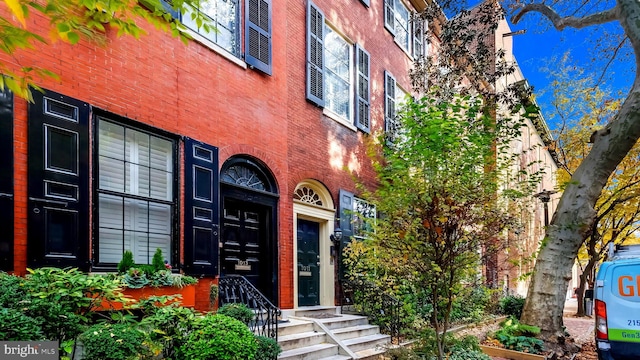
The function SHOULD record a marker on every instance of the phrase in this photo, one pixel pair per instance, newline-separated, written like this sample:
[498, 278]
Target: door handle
[51, 202]
[5, 195]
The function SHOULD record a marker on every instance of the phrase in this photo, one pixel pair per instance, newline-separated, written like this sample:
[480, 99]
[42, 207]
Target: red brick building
[230, 153]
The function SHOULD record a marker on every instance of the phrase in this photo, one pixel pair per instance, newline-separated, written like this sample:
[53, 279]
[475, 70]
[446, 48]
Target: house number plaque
[243, 265]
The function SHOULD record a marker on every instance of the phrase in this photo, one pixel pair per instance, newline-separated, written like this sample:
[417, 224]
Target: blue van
[617, 304]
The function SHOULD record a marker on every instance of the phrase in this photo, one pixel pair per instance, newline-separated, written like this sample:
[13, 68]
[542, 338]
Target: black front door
[6, 180]
[245, 243]
[308, 263]
[58, 181]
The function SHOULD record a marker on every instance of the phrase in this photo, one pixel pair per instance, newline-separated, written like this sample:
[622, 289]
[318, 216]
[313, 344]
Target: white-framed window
[135, 193]
[224, 16]
[364, 214]
[407, 27]
[229, 26]
[338, 79]
[395, 98]
[338, 73]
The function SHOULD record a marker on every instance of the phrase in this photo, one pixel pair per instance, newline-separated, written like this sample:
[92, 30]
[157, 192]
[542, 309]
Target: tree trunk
[574, 216]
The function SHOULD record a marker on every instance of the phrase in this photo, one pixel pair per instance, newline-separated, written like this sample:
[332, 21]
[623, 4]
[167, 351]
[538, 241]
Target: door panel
[58, 181]
[244, 243]
[308, 263]
[6, 180]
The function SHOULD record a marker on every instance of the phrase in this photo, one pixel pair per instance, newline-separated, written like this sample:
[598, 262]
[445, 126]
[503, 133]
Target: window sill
[213, 46]
[405, 51]
[339, 119]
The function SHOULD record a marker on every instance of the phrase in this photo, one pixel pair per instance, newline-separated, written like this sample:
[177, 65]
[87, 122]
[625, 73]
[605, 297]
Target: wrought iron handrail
[237, 289]
[362, 296]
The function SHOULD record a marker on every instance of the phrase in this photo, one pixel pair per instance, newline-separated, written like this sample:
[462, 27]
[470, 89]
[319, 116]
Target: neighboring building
[536, 157]
[228, 153]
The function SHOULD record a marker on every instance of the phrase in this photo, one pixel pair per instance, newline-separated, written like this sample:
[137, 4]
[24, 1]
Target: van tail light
[602, 331]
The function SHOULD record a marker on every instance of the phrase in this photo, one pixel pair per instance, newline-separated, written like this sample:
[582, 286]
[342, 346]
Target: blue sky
[534, 49]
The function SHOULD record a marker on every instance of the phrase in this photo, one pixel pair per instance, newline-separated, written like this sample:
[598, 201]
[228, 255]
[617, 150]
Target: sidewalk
[580, 328]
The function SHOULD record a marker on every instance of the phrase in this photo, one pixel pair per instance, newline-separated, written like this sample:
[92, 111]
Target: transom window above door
[136, 193]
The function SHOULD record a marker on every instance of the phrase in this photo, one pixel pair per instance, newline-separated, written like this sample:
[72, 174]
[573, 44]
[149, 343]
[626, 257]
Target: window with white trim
[407, 28]
[136, 197]
[224, 26]
[395, 97]
[338, 74]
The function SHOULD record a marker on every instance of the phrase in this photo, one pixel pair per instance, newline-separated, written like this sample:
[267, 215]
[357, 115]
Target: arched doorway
[248, 245]
[314, 215]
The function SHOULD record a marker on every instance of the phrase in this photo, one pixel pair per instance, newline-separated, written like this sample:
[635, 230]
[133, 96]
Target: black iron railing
[237, 289]
[362, 296]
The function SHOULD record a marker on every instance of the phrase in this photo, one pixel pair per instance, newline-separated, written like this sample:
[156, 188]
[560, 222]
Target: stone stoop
[321, 333]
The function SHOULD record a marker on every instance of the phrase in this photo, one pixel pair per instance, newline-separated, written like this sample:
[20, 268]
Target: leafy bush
[237, 311]
[219, 337]
[135, 278]
[169, 326]
[519, 337]
[62, 300]
[126, 263]
[115, 342]
[471, 304]
[427, 346]
[16, 326]
[401, 353]
[468, 355]
[268, 348]
[11, 288]
[512, 305]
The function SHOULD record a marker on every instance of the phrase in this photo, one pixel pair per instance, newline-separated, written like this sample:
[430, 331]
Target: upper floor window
[407, 28]
[225, 30]
[224, 18]
[395, 97]
[364, 213]
[337, 72]
[338, 55]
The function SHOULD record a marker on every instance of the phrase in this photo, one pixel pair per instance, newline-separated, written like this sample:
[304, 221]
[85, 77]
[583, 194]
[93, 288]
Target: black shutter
[346, 224]
[389, 103]
[389, 16]
[201, 214]
[362, 91]
[315, 55]
[258, 34]
[58, 181]
[6, 180]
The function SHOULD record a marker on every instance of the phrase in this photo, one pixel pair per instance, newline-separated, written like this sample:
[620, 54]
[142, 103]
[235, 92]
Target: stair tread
[369, 352]
[354, 328]
[306, 349]
[367, 338]
[300, 335]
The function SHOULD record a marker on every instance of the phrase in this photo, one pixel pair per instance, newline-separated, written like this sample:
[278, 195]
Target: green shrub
[219, 337]
[126, 263]
[519, 337]
[158, 261]
[16, 326]
[169, 326]
[268, 348]
[471, 304]
[237, 311]
[511, 305]
[401, 353]
[11, 288]
[468, 355]
[106, 341]
[135, 278]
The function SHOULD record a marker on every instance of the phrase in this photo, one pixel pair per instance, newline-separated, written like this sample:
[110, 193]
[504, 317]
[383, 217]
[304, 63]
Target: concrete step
[337, 357]
[344, 321]
[356, 331]
[367, 342]
[316, 310]
[314, 352]
[299, 340]
[294, 326]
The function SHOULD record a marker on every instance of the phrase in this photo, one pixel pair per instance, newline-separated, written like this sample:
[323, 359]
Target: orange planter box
[188, 298]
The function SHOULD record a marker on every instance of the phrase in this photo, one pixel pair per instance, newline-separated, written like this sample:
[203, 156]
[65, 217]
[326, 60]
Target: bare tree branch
[613, 57]
[569, 21]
